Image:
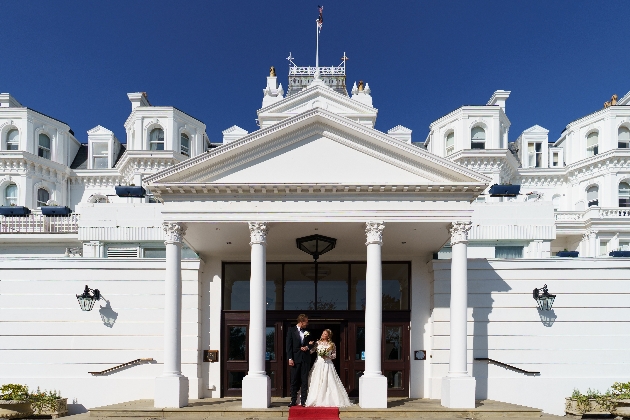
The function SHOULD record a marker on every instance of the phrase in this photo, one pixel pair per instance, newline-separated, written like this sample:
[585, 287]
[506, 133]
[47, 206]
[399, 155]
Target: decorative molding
[121, 233]
[258, 233]
[374, 232]
[459, 232]
[512, 232]
[174, 232]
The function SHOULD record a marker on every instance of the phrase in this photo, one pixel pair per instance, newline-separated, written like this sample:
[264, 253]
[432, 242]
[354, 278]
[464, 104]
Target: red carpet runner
[313, 413]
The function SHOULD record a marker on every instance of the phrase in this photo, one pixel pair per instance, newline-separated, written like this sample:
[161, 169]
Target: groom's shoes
[292, 404]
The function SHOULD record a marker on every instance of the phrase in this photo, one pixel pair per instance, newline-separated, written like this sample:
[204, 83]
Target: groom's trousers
[299, 376]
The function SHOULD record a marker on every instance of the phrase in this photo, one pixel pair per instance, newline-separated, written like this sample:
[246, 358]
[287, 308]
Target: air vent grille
[122, 252]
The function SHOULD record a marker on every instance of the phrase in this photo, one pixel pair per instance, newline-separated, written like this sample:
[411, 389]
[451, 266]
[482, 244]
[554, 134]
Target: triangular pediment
[99, 129]
[318, 146]
[536, 129]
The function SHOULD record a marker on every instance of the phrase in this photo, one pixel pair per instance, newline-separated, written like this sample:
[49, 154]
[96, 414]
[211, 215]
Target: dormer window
[13, 140]
[592, 144]
[156, 139]
[184, 145]
[10, 195]
[100, 155]
[478, 138]
[44, 146]
[534, 154]
[555, 158]
[42, 197]
[450, 143]
[623, 138]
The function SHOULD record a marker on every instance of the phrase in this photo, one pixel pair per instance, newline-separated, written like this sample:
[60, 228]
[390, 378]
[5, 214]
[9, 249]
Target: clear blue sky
[76, 60]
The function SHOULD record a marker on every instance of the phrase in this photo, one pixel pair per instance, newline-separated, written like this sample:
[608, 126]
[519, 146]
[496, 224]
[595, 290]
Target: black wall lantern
[87, 299]
[316, 245]
[544, 298]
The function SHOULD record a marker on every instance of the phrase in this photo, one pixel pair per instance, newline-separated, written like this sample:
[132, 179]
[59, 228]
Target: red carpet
[313, 413]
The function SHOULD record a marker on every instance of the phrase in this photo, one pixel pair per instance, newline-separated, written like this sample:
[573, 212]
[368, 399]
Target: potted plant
[13, 210]
[591, 403]
[14, 402]
[569, 254]
[130, 191]
[508, 190]
[56, 211]
[619, 254]
[621, 395]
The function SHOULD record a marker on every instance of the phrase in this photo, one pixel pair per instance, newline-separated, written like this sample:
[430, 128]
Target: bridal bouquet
[323, 352]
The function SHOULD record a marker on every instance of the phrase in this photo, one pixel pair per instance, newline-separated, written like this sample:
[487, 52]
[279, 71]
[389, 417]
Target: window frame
[593, 149]
[623, 200]
[7, 199]
[595, 202]
[43, 151]
[185, 152]
[625, 141]
[449, 150]
[474, 143]
[536, 154]
[8, 142]
[157, 142]
[37, 200]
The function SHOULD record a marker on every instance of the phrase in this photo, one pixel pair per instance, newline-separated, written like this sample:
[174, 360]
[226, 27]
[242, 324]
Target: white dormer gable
[233, 133]
[317, 96]
[401, 133]
[533, 146]
[103, 148]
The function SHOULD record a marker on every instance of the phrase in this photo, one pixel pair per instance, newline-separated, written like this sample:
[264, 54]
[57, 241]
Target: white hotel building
[430, 271]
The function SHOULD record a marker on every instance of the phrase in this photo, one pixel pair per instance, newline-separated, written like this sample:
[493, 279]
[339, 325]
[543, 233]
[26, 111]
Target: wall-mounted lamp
[87, 299]
[544, 298]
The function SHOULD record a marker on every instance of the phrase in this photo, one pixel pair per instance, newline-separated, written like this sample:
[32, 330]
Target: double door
[348, 335]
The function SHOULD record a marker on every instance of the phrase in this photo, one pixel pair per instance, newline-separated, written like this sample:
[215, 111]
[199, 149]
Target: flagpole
[317, 51]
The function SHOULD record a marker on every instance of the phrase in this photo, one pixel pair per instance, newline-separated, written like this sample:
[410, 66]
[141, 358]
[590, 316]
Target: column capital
[459, 232]
[590, 234]
[173, 232]
[258, 232]
[374, 232]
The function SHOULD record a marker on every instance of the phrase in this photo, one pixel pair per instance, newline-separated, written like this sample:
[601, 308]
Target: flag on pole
[320, 19]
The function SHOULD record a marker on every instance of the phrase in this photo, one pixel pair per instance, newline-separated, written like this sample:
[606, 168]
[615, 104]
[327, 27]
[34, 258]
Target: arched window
[623, 138]
[184, 145]
[478, 138]
[10, 195]
[13, 140]
[624, 194]
[556, 201]
[592, 144]
[42, 197]
[592, 196]
[450, 143]
[44, 146]
[156, 139]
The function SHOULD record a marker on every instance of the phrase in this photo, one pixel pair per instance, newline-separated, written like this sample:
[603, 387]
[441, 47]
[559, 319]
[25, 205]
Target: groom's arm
[290, 347]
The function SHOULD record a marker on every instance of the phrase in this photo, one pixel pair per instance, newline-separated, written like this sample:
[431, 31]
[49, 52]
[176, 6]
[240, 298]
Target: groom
[298, 353]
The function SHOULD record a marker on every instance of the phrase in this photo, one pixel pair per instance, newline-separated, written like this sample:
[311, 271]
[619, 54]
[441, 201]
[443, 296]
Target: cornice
[333, 126]
[25, 159]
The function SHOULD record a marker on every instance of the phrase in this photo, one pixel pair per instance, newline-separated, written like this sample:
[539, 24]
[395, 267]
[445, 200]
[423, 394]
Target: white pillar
[257, 385]
[593, 243]
[373, 385]
[171, 389]
[458, 387]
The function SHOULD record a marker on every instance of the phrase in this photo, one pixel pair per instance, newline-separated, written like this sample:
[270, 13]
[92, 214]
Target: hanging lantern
[87, 299]
[544, 298]
[316, 245]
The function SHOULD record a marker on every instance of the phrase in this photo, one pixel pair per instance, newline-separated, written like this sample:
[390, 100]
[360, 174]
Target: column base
[256, 391]
[171, 392]
[458, 392]
[373, 391]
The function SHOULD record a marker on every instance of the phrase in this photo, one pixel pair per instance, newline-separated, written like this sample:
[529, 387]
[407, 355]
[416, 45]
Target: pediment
[99, 129]
[536, 129]
[318, 146]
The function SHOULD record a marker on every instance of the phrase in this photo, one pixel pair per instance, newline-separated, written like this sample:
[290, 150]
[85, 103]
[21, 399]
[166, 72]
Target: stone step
[405, 408]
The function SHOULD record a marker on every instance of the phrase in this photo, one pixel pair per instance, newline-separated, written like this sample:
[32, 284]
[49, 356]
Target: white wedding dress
[324, 386]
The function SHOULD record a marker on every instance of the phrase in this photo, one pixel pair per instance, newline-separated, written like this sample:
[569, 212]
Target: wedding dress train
[324, 386]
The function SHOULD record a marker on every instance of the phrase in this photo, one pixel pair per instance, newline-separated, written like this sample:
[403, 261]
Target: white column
[257, 385]
[373, 385]
[458, 387]
[593, 243]
[171, 389]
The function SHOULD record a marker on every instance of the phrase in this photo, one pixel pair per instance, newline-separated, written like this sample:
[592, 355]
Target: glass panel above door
[395, 286]
[332, 287]
[299, 287]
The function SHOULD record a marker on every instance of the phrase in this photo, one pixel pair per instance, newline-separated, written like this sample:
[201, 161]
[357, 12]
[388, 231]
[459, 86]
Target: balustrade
[38, 223]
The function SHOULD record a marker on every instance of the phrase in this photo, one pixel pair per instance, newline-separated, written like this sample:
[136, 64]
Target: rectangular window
[100, 155]
[624, 245]
[603, 248]
[100, 163]
[555, 159]
[237, 342]
[534, 151]
[510, 252]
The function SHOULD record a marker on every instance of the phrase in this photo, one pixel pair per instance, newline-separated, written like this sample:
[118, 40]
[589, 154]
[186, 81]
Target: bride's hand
[310, 343]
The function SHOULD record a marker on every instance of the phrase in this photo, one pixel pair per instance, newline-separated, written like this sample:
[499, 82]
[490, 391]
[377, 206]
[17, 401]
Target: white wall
[47, 341]
[585, 346]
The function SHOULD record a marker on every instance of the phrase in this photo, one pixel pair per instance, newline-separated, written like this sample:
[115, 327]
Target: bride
[324, 386]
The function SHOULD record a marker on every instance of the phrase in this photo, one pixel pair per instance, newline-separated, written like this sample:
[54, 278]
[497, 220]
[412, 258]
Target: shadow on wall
[108, 315]
[547, 317]
[482, 281]
[75, 408]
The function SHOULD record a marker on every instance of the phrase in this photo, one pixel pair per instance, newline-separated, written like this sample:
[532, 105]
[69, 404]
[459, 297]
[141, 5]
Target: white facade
[316, 165]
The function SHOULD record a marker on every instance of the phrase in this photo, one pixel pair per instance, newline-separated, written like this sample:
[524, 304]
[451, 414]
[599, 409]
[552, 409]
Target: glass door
[274, 358]
[235, 349]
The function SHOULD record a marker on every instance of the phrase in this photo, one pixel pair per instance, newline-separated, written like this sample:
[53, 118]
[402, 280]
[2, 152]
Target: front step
[397, 408]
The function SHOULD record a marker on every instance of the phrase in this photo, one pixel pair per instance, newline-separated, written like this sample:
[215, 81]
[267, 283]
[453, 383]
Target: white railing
[615, 212]
[323, 71]
[593, 213]
[38, 223]
[569, 216]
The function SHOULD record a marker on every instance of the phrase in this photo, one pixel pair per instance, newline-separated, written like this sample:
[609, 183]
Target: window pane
[270, 352]
[154, 252]
[10, 195]
[299, 287]
[236, 286]
[508, 252]
[394, 378]
[236, 344]
[393, 343]
[478, 133]
[185, 144]
[395, 286]
[360, 344]
[624, 134]
[99, 148]
[332, 287]
[235, 379]
[13, 140]
[357, 287]
[42, 197]
[100, 163]
[592, 193]
[274, 287]
[44, 141]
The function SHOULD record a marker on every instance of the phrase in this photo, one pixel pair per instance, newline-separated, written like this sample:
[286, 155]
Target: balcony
[38, 223]
[574, 222]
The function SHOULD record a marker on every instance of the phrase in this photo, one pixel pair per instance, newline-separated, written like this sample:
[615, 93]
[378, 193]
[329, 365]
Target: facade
[431, 269]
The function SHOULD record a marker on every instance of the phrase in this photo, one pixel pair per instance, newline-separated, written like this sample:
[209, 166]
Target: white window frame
[625, 195]
[43, 151]
[534, 154]
[591, 202]
[100, 155]
[480, 142]
[15, 141]
[623, 137]
[184, 150]
[38, 202]
[592, 149]
[11, 200]
[157, 142]
[449, 150]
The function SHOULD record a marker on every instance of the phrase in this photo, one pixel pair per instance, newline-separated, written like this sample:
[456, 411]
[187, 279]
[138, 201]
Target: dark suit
[301, 363]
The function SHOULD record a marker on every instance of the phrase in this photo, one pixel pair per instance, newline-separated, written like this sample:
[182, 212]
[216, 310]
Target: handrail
[133, 362]
[505, 365]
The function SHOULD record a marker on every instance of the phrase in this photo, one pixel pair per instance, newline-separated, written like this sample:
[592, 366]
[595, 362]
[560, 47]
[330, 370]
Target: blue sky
[76, 60]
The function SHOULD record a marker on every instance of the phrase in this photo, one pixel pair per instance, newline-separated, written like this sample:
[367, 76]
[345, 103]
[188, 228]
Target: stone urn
[15, 409]
[622, 409]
